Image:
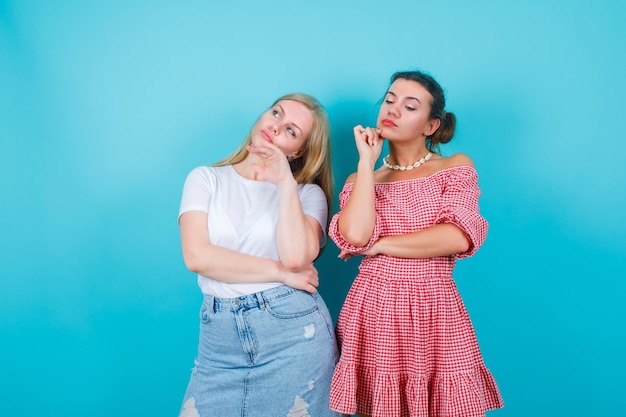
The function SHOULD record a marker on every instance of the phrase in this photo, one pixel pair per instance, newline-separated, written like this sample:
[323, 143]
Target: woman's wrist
[279, 272]
[365, 165]
[287, 183]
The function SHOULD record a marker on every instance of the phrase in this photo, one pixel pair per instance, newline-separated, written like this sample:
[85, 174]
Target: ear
[432, 126]
[297, 154]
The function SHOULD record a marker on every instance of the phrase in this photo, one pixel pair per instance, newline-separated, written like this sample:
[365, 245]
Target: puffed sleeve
[333, 228]
[460, 207]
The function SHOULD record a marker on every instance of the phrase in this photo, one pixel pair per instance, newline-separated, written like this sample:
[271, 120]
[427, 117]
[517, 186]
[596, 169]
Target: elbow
[295, 265]
[192, 266]
[300, 261]
[456, 241]
[355, 237]
[192, 262]
[462, 244]
[358, 240]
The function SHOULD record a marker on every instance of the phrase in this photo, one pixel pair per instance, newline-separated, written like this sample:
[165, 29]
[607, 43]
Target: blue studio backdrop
[105, 106]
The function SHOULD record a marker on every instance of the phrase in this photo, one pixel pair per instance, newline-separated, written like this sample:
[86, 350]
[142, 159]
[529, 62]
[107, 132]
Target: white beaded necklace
[408, 167]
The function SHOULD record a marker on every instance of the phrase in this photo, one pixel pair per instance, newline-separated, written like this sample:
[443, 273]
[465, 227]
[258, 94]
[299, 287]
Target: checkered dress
[408, 347]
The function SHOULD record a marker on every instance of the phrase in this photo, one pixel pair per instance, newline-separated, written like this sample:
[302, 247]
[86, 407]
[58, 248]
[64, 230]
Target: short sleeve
[333, 228]
[314, 204]
[196, 191]
[460, 207]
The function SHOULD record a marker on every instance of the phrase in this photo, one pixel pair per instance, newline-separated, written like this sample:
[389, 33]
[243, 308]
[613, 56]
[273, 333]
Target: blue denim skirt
[266, 354]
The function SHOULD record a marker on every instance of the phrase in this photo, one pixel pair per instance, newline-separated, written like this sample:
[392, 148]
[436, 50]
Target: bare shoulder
[458, 159]
[351, 178]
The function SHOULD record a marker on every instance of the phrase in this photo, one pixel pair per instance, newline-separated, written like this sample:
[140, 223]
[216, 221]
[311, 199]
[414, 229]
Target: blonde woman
[251, 227]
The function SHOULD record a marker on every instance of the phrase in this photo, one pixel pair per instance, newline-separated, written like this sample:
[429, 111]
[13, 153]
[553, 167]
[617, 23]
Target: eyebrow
[283, 112]
[409, 97]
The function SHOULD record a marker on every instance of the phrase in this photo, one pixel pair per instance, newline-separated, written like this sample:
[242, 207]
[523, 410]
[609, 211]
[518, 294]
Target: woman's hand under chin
[273, 166]
[369, 143]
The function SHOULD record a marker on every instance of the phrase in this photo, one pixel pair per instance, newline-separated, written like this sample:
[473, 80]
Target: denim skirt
[263, 355]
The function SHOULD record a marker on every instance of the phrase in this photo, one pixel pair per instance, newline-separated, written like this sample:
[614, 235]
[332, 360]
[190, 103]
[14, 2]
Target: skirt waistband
[256, 300]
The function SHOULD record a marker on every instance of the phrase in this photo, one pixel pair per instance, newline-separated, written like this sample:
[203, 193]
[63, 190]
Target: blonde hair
[314, 165]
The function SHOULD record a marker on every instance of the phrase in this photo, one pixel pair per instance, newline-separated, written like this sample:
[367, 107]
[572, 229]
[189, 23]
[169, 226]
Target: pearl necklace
[408, 167]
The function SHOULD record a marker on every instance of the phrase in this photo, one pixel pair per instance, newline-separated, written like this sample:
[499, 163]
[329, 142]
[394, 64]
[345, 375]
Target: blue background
[105, 106]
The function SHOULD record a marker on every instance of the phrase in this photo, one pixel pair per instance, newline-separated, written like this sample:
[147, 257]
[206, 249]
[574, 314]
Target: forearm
[358, 217]
[230, 266]
[297, 239]
[438, 240]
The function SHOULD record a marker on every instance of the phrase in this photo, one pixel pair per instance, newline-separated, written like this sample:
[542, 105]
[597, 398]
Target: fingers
[314, 278]
[369, 135]
[306, 280]
[345, 255]
[263, 152]
[373, 136]
[271, 165]
[313, 284]
[309, 286]
[267, 151]
[310, 289]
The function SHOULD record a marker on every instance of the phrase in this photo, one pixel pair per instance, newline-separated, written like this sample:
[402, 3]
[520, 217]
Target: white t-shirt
[242, 216]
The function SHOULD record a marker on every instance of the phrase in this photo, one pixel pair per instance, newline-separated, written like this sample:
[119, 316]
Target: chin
[386, 134]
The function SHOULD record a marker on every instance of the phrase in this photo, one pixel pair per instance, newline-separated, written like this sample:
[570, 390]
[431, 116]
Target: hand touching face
[287, 125]
[369, 143]
[279, 134]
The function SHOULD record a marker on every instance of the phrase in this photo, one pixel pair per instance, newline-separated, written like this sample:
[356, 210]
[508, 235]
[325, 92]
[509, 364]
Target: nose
[393, 110]
[272, 129]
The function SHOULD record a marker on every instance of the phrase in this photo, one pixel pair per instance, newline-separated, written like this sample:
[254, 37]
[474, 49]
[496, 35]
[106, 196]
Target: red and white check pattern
[408, 347]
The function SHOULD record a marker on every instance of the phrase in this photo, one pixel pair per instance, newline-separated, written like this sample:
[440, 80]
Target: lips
[266, 136]
[388, 123]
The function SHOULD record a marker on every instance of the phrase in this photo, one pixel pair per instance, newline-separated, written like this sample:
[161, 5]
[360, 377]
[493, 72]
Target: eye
[276, 113]
[291, 131]
[410, 108]
[388, 101]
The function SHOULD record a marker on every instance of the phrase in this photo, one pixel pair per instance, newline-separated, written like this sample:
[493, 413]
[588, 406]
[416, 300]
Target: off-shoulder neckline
[441, 171]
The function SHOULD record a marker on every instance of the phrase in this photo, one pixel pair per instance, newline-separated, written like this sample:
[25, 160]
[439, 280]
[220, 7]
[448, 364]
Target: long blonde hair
[314, 166]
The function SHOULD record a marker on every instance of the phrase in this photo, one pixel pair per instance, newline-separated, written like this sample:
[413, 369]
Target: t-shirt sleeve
[460, 208]
[196, 191]
[314, 204]
[333, 227]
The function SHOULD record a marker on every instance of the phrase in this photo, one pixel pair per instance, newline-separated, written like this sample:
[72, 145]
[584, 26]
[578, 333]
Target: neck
[406, 155]
[244, 168]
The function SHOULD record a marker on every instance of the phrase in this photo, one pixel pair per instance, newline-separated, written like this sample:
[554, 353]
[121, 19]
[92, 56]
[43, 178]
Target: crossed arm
[357, 222]
[222, 264]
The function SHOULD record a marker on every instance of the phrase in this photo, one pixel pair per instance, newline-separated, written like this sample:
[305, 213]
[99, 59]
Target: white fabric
[242, 216]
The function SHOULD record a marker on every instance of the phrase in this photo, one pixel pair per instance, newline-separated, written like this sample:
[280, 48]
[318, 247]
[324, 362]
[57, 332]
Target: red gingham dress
[408, 347]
